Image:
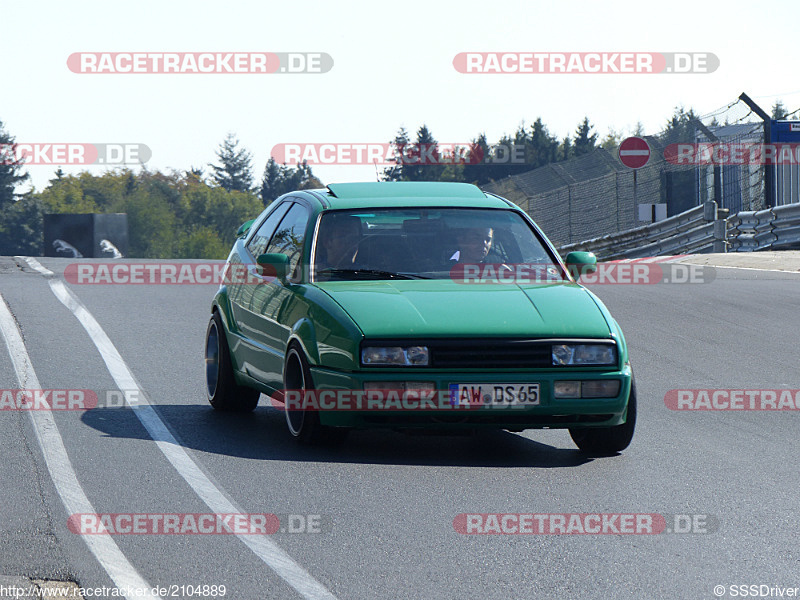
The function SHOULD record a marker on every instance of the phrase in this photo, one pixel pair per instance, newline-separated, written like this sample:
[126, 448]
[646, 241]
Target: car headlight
[402, 356]
[584, 354]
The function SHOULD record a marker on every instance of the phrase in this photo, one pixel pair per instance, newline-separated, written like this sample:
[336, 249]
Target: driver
[474, 245]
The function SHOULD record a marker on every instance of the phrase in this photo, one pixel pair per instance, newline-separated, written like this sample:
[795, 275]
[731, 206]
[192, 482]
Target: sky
[392, 67]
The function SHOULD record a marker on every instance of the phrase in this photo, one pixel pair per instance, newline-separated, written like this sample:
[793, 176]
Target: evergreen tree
[778, 110]
[235, 173]
[680, 126]
[543, 146]
[417, 161]
[271, 182]
[585, 141]
[477, 165]
[281, 179]
[611, 140]
[423, 162]
[400, 144]
[565, 149]
[11, 174]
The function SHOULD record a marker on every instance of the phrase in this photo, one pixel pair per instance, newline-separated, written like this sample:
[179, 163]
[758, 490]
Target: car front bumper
[550, 412]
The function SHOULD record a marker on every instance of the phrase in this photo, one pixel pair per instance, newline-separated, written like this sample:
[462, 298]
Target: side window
[288, 239]
[258, 244]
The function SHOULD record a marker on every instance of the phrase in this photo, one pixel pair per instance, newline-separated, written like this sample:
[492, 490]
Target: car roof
[408, 194]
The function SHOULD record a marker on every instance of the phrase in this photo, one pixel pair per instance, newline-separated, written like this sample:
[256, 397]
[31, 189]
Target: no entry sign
[634, 152]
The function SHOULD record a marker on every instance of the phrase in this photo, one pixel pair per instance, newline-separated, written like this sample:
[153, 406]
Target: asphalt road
[387, 500]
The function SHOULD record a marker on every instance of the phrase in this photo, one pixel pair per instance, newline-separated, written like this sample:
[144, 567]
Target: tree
[778, 110]
[59, 175]
[21, 227]
[195, 174]
[11, 174]
[426, 160]
[611, 140]
[681, 183]
[203, 242]
[236, 171]
[271, 182]
[543, 145]
[585, 141]
[476, 167]
[281, 179]
[417, 161]
[565, 149]
[400, 143]
[680, 126]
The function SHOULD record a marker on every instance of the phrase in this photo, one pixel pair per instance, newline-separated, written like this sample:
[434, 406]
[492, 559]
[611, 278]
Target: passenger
[337, 242]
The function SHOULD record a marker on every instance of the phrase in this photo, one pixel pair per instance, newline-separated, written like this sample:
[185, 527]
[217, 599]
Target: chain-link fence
[595, 194]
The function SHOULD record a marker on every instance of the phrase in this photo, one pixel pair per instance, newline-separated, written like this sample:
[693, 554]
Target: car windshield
[424, 243]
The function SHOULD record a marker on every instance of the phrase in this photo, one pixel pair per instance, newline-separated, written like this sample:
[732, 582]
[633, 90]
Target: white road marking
[69, 489]
[215, 498]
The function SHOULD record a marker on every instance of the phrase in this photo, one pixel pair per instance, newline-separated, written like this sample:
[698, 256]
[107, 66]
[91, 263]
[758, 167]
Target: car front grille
[490, 353]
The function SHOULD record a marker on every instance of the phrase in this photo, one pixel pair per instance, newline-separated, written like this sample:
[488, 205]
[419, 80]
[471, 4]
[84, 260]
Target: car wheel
[604, 441]
[222, 390]
[304, 425]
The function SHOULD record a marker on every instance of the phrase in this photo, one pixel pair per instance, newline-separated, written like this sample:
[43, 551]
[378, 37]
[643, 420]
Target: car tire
[605, 441]
[305, 425]
[222, 391]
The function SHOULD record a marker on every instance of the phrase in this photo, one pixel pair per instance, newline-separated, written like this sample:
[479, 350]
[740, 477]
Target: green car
[338, 302]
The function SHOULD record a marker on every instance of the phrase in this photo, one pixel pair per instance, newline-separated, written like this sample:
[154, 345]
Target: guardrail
[770, 229]
[699, 229]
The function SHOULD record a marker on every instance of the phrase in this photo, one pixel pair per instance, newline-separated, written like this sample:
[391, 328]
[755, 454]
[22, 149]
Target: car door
[241, 286]
[268, 299]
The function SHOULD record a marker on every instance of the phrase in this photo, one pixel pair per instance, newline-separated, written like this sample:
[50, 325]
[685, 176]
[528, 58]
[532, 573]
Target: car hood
[443, 308]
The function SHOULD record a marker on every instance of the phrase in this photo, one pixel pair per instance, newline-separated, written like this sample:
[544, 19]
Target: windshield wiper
[370, 273]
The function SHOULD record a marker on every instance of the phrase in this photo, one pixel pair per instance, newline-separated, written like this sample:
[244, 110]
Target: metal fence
[702, 229]
[697, 230]
[595, 195]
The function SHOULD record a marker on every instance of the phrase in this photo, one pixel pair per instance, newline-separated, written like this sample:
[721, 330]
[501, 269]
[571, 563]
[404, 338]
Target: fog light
[600, 388]
[401, 386]
[567, 389]
[594, 388]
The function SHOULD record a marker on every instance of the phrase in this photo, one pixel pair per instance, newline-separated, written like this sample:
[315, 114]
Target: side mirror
[273, 265]
[244, 228]
[581, 263]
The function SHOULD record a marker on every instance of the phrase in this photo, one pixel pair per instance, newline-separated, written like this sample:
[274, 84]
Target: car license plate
[495, 394]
